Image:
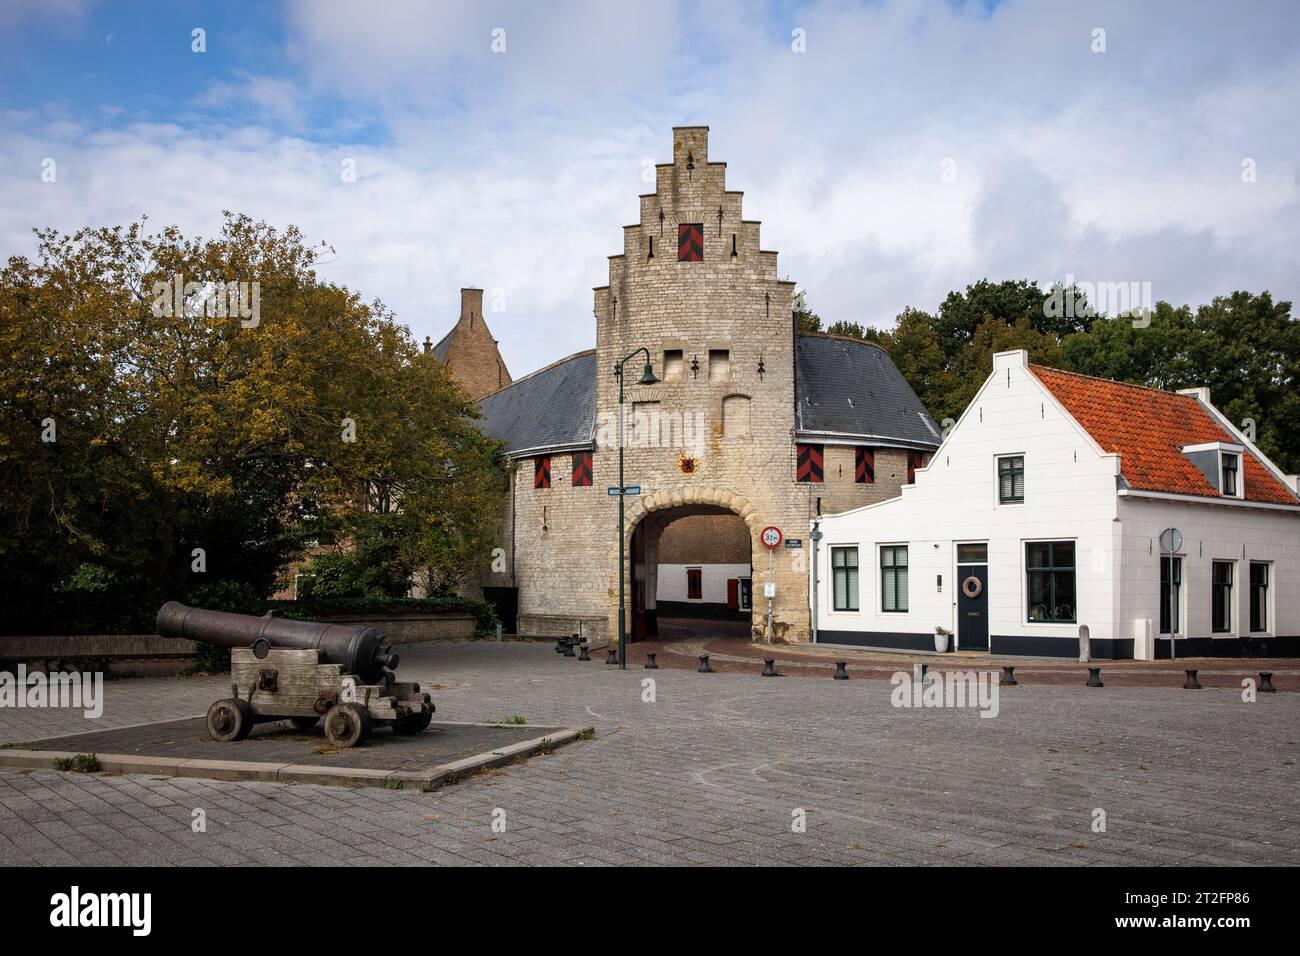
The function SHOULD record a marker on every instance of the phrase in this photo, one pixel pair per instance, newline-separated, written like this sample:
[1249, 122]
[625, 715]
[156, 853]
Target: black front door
[972, 607]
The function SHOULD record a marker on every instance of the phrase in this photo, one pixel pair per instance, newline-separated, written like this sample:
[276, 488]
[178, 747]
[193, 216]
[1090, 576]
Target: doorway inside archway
[692, 574]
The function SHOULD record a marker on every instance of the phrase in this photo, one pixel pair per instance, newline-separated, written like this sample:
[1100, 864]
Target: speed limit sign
[771, 537]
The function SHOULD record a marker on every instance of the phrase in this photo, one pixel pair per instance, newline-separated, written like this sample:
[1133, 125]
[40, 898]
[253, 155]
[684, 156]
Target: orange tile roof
[1148, 429]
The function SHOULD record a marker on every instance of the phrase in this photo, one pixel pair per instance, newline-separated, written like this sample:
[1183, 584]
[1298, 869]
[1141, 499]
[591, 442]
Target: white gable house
[1042, 512]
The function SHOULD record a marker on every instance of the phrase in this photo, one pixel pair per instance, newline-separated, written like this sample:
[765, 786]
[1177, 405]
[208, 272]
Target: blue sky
[912, 148]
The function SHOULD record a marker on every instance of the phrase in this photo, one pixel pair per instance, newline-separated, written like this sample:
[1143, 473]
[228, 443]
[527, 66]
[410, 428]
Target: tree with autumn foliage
[154, 444]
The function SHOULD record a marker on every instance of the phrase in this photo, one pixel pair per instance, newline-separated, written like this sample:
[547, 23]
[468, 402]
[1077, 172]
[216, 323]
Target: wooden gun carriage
[302, 671]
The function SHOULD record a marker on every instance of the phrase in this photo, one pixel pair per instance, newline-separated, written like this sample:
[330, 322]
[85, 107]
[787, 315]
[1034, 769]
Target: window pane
[852, 576]
[1063, 595]
[972, 553]
[1036, 553]
[1039, 596]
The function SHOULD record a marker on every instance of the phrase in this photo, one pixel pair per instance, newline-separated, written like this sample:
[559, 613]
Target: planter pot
[941, 643]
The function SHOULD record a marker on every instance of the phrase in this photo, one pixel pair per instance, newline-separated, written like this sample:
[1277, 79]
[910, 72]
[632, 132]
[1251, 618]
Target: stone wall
[410, 628]
[559, 546]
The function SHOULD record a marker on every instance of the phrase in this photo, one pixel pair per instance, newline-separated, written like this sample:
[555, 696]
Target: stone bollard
[840, 672]
[1191, 683]
[650, 664]
[611, 655]
[769, 667]
[1266, 683]
[1008, 678]
[704, 667]
[1094, 677]
[584, 656]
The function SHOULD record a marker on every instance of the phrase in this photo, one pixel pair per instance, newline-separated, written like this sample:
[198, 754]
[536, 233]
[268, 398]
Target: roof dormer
[1220, 463]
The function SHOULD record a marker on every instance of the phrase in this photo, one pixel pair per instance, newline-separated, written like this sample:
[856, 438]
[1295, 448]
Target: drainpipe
[814, 539]
[513, 582]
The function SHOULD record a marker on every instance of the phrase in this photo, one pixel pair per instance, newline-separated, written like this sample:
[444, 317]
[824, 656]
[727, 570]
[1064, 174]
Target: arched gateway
[744, 415]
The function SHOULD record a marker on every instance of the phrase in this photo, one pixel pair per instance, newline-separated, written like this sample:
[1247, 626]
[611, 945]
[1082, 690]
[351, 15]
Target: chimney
[428, 345]
[471, 304]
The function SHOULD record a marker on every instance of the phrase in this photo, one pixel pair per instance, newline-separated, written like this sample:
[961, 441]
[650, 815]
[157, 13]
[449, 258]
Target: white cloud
[517, 171]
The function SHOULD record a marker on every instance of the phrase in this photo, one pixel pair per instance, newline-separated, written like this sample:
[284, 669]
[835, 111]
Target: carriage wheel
[230, 719]
[414, 723]
[347, 725]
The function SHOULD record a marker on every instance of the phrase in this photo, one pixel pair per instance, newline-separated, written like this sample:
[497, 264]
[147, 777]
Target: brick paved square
[711, 773]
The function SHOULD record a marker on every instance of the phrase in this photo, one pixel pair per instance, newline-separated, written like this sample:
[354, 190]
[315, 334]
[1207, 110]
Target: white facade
[672, 583]
[1071, 493]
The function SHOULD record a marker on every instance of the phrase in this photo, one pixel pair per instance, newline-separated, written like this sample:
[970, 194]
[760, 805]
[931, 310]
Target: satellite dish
[1171, 540]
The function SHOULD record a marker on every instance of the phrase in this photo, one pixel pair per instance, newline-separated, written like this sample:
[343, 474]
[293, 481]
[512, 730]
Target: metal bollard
[611, 655]
[769, 667]
[650, 664]
[559, 644]
[1008, 678]
[1266, 683]
[1191, 683]
[1094, 677]
[584, 656]
[704, 667]
[840, 672]
[568, 648]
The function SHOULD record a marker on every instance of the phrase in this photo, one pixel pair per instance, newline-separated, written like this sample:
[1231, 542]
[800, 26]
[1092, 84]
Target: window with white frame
[893, 578]
[1011, 480]
[844, 579]
[1049, 580]
[1221, 597]
[1258, 596]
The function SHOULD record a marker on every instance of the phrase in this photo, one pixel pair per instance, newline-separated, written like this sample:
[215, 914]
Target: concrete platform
[275, 752]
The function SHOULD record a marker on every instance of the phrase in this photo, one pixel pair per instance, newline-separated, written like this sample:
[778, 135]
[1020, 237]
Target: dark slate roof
[851, 388]
[553, 407]
[440, 350]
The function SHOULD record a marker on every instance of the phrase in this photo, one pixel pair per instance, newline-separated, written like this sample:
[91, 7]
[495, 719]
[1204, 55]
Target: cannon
[301, 671]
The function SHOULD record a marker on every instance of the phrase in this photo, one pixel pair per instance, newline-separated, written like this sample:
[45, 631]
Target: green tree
[805, 319]
[178, 426]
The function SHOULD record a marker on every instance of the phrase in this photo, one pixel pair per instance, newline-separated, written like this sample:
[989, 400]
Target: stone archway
[659, 509]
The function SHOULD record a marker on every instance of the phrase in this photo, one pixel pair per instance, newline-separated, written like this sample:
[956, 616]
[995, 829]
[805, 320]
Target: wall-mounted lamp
[652, 248]
[661, 220]
[719, 220]
[690, 164]
[762, 370]
[544, 528]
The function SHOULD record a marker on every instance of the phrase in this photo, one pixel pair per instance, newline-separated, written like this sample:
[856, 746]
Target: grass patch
[586, 734]
[393, 784]
[81, 763]
[514, 720]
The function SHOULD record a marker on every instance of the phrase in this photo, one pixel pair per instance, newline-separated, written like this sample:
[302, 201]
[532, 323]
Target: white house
[1042, 511]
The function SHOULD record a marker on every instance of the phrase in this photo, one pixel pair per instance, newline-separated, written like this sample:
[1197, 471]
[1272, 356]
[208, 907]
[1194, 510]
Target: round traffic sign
[771, 536]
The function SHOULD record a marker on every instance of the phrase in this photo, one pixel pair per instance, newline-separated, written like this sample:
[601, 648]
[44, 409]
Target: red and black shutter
[914, 462]
[690, 242]
[581, 469]
[694, 584]
[809, 463]
[864, 465]
[542, 471]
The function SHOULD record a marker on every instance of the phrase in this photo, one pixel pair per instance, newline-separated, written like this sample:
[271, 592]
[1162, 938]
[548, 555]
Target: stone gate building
[748, 419]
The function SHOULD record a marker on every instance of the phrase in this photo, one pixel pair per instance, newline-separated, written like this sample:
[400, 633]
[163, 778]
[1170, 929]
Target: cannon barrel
[357, 648]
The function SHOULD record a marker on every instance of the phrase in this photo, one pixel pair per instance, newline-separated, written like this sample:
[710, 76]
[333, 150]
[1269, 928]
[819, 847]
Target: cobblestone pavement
[713, 772]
